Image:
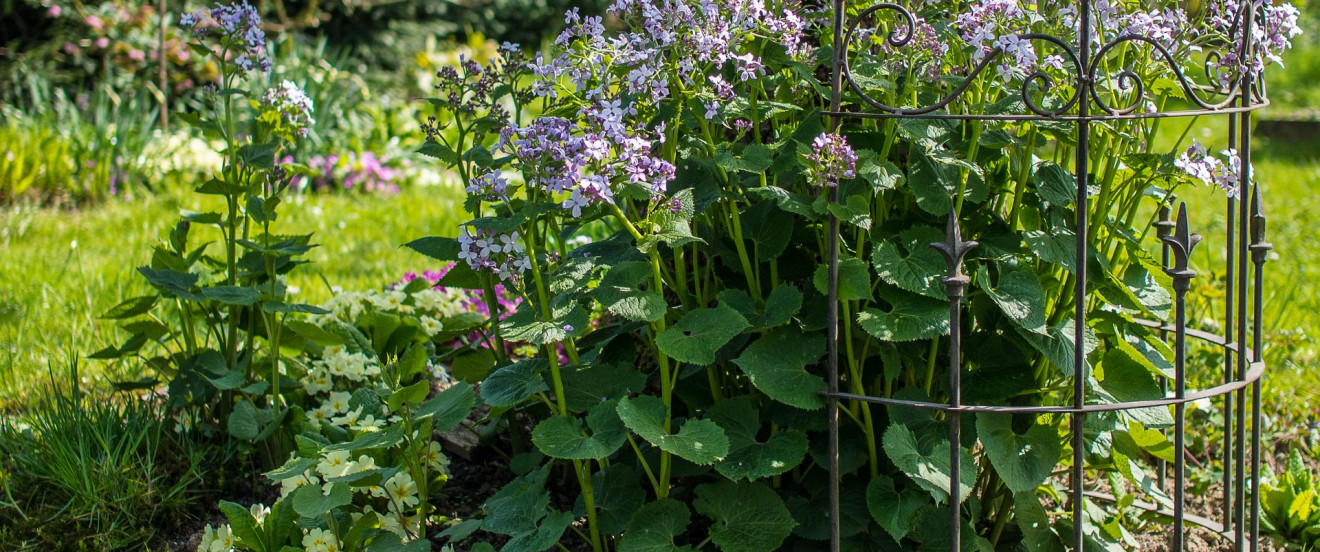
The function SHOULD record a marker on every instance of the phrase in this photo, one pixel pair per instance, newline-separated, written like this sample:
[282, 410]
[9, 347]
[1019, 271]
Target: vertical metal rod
[954, 250]
[1181, 242]
[1244, 181]
[1079, 295]
[1163, 228]
[1230, 293]
[1259, 250]
[832, 339]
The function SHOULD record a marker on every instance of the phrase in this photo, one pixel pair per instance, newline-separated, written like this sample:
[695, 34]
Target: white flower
[217, 540]
[402, 491]
[431, 326]
[259, 512]
[334, 464]
[435, 457]
[320, 540]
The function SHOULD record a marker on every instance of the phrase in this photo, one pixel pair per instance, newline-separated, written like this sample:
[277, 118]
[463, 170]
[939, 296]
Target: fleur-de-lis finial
[1259, 247]
[1163, 226]
[954, 250]
[1182, 242]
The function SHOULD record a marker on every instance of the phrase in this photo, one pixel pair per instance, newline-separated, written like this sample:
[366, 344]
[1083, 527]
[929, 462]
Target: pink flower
[137, 55]
[70, 48]
[94, 22]
[54, 11]
[102, 42]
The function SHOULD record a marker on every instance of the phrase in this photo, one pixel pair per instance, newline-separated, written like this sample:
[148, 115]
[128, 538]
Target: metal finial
[1182, 242]
[1259, 247]
[954, 250]
[1163, 226]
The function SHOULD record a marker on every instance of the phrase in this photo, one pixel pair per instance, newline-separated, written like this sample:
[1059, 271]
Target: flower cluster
[831, 160]
[500, 254]
[560, 159]
[239, 25]
[364, 171]
[987, 25]
[921, 54]
[1210, 170]
[291, 106]
[671, 38]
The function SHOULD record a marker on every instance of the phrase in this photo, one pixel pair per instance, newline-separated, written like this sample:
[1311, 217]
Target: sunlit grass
[60, 269]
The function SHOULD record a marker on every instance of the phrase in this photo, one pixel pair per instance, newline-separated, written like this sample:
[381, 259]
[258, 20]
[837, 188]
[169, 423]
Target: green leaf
[440, 249]
[244, 422]
[1037, 531]
[472, 366]
[232, 295]
[1149, 440]
[1020, 295]
[749, 517]
[909, 262]
[895, 511]
[854, 279]
[519, 505]
[934, 176]
[131, 307]
[1023, 461]
[512, 384]
[172, 282]
[700, 333]
[261, 156]
[310, 501]
[1058, 346]
[568, 319]
[411, 395]
[882, 175]
[389, 542]
[243, 525]
[654, 527]
[626, 291]
[854, 210]
[755, 159]
[768, 228]
[1055, 185]
[928, 466]
[618, 497]
[910, 318]
[787, 201]
[701, 442]
[776, 364]
[294, 467]
[1057, 247]
[546, 534]
[748, 458]
[436, 150]
[564, 437]
[1126, 381]
[448, 408]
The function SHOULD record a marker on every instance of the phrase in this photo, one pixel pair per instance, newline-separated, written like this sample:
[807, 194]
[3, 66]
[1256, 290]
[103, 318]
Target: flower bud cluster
[831, 160]
[239, 26]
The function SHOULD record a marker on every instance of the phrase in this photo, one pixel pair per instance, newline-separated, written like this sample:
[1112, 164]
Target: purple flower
[290, 103]
[1209, 170]
[831, 160]
[240, 29]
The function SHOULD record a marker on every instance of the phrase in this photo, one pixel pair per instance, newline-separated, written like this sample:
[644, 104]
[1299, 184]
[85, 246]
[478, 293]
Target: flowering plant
[216, 325]
[366, 465]
[690, 146]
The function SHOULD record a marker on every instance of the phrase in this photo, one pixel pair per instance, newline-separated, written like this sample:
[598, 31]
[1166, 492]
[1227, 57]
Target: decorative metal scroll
[1082, 99]
[1230, 91]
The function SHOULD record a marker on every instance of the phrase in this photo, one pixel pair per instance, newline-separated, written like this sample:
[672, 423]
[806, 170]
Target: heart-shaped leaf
[654, 526]
[563, 436]
[512, 384]
[701, 442]
[749, 517]
[625, 291]
[894, 510]
[748, 458]
[1023, 461]
[910, 317]
[910, 263]
[928, 466]
[1020, 295]
[701, 333]
[776, 363]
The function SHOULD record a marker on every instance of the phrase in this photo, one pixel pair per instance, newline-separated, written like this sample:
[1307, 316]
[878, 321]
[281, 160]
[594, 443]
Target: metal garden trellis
[1245, 252]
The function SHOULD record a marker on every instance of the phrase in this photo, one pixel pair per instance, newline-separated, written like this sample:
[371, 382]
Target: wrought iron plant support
[1234, 97]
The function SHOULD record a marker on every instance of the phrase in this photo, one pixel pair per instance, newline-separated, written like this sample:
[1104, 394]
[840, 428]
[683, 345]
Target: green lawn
[59, 269]
[1289, 173]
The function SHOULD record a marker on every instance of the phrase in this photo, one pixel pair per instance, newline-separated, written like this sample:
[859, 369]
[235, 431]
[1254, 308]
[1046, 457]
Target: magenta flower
[831, 160]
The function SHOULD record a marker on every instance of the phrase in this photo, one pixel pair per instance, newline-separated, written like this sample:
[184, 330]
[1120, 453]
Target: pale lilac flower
[292, 105]
[831, 160]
